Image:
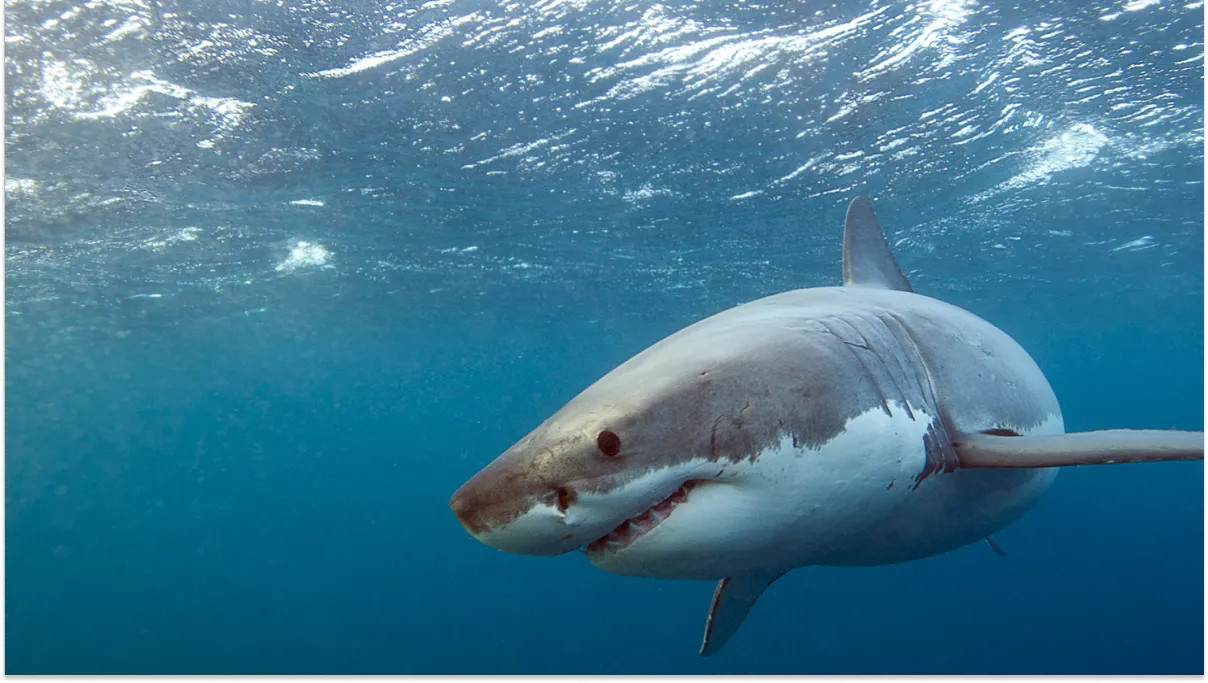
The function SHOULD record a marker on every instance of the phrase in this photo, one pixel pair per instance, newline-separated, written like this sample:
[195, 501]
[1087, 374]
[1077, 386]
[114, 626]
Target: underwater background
[282, 275]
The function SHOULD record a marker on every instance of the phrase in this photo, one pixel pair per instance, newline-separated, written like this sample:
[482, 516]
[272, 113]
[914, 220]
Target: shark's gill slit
[628, 531]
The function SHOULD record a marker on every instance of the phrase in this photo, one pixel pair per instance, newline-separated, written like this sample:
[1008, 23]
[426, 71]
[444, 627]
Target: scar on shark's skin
[821, 396]
[713, 439]
[739, 421]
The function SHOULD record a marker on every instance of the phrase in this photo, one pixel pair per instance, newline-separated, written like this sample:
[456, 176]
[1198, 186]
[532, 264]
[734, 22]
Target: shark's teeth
[629, 530]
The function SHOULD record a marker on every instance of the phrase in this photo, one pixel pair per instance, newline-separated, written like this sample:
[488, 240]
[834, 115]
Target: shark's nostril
[563, 497]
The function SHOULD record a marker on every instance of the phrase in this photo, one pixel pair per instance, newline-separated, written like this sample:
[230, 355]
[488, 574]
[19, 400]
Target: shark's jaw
[596, 519]
[625, 533]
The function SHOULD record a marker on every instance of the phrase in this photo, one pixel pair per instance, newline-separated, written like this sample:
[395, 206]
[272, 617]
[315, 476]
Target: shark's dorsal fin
[1107, 447]
[867, 260]
[732, 599]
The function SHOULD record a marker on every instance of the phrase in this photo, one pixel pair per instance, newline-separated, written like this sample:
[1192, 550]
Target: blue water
[280, 277]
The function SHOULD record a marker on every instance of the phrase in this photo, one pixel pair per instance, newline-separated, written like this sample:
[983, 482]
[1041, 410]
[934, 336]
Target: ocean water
[280, 276]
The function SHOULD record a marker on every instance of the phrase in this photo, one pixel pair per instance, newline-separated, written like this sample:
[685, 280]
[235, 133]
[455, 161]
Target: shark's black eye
[608, 443]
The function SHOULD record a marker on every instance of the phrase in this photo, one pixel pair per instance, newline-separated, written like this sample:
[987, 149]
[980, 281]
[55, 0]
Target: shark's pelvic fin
[732, 599]
[867, 259]
[995, 546]
[1108, 447]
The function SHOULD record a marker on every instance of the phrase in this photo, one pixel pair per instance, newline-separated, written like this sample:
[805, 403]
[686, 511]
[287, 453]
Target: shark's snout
[465, 511]
[503, 516]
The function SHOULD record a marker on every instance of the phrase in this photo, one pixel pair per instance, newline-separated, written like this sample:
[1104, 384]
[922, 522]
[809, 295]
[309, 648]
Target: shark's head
[649, 469]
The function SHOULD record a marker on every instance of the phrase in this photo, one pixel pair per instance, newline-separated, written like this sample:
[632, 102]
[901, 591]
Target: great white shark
[843, 426]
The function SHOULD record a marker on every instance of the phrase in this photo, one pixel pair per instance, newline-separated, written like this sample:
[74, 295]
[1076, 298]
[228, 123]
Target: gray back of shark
[854, 425]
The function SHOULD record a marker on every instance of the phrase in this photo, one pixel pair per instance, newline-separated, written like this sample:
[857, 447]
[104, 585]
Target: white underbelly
[850, 502]
[951, 510]
[790, 506]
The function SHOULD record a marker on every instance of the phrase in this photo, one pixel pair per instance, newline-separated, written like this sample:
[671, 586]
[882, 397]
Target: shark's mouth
[633, 528]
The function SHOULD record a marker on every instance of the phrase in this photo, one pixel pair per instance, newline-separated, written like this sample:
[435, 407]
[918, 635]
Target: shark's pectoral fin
[1107, 447]
[732, 599]
[867, 259]
[995, 546]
